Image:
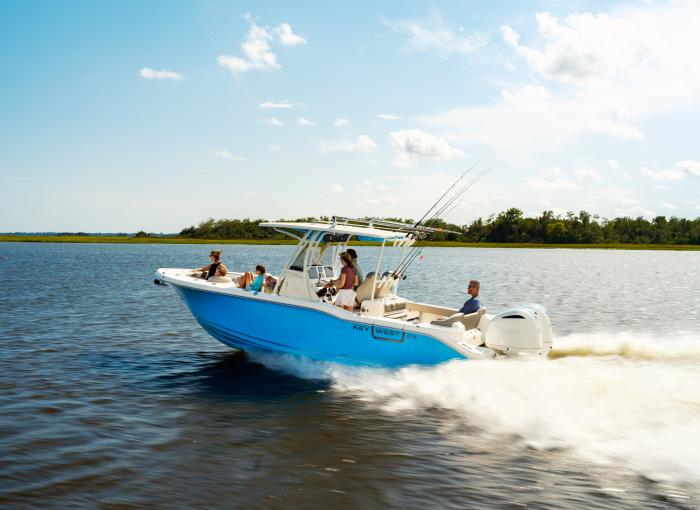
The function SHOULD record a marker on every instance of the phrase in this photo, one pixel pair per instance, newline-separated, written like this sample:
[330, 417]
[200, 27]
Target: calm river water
[111, 396]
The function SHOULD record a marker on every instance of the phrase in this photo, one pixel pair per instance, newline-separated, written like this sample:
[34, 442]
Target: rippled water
[111, 396]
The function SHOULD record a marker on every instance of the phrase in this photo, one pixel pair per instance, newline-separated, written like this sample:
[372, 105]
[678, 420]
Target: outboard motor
[524, 329]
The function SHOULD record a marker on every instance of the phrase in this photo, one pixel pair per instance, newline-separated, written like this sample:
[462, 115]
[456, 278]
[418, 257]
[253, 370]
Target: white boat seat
[449, 320]
[364, 291]
[470, 320]
[220, 279]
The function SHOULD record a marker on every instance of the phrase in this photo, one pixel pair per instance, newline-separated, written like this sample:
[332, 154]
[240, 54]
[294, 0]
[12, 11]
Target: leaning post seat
[364, 290]
[385, 288]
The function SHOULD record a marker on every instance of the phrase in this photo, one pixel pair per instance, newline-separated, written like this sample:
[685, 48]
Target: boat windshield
[322, 254]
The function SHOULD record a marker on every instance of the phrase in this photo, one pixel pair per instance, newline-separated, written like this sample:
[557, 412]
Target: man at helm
[473, 304]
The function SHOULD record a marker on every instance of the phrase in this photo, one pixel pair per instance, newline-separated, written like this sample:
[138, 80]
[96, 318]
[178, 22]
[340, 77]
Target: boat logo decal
[388, 334]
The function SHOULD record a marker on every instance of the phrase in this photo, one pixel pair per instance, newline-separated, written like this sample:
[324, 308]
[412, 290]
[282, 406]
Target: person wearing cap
[356, 266]
[216, 268]
[473, 304]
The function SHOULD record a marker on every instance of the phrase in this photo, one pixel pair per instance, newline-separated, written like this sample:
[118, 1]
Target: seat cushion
[220, 279]
[450, 320]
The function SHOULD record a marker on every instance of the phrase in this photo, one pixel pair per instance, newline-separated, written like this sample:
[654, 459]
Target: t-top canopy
[370, 234]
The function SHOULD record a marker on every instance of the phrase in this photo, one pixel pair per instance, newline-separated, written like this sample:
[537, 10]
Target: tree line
[510, 226]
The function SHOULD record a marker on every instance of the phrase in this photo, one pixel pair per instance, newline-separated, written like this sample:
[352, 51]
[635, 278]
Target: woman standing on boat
[345, 298]
[216, 268]
[356, 267]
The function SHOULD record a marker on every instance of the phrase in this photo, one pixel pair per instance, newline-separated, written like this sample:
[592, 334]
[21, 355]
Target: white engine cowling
[523, 329]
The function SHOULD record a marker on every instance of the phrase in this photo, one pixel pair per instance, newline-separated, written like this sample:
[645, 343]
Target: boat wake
[620, 399]
[679, 347]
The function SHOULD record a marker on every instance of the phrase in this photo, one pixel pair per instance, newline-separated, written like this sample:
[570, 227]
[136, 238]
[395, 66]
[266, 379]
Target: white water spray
[623, 399]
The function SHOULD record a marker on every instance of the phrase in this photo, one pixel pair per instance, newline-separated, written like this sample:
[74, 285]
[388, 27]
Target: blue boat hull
[253, 324]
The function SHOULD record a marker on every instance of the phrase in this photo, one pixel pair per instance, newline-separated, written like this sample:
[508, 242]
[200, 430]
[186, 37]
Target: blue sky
[156, 115]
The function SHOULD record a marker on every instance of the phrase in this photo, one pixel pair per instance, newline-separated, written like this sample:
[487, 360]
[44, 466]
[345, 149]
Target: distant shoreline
[436, 244]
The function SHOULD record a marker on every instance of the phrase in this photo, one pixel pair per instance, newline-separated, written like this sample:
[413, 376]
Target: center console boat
[295, 316]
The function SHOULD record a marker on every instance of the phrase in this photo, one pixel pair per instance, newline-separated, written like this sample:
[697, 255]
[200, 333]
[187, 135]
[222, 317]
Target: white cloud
[635, 210]
[152, 74]
[379, 201]
[336, 188]
[551, 180]
[276, 105]
[628, 205]
[584, 47]
[613, 164]
[228, 155]
[369, 187]
[589, 73]
[671, 207]
[646, 54]
[272, 121]
[412, 145]
[273, 147]
[287, 37]
[388, 116]
[588, 173]
[363, 143]
[302, 121]
[479, 199]
[680, 170]
[689, 167]
[374, 194]
[256, 49]
[529, 116]
[434, 34]
[340, 122]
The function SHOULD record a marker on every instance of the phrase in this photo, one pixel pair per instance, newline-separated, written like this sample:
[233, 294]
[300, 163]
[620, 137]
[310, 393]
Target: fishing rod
[451, 204]
[460, 193]
[424, 228]
[417, 248]
[449, 208]
[446, 192]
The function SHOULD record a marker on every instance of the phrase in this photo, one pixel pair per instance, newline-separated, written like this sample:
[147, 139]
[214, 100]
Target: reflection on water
[233, 376]
[112, 396]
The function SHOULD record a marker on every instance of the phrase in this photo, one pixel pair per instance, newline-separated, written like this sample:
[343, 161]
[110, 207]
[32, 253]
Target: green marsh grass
[437, 244]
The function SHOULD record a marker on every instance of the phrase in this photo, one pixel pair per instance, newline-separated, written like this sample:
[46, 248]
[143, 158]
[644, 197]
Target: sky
[131, 115]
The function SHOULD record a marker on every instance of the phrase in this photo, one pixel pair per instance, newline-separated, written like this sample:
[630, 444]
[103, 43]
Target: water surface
[111, 396]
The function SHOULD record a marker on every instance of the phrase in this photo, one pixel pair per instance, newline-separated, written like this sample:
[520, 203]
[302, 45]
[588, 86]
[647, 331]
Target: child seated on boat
[216, 268]
[254, 282]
